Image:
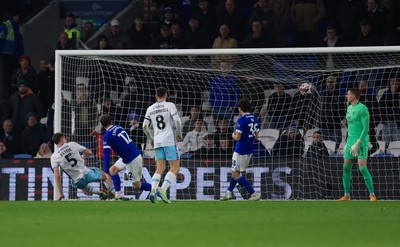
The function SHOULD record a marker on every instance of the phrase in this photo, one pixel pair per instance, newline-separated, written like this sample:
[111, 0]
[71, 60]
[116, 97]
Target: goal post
[92, 82]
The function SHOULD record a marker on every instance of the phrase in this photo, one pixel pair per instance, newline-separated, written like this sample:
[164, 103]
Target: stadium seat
[380, 93]
[308, 135]
[22, 156]
[268, 137]
[331, 145]
[394, 148]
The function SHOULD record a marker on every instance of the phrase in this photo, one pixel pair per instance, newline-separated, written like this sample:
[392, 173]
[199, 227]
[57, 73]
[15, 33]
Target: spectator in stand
[194, 139]
[88, 31]
[195, 114]
[46, 86]
[164, 40]
[72, 30]
[259, 150]
[347, 20]
[63, 43]
[306, 17]
[102, 43]
[116, 37]
[317, 148]
[44, 152]
[303, 108]
[208, 23]
[289, 144]
[178, 39]
[224, 40]
[224, 92]
[11, 44]
[377, 19]
[263, 13]
[139, 35]
[22, 103]
[111, 109]
[253, 90]
[281, 9]
[233, 17]
[278, 107]
[225, 150]
[332, 40]
[86, 115]
[24, 72]
[134, 101]
[332, 110]
[4, 153]
[167, 19]
[369, 100]
[389, 106]
[10, 137]
[195, 37]
[32, 136]
[208, 150]
[135, 130]
[366, 37]
[223, 129]
[258, 38]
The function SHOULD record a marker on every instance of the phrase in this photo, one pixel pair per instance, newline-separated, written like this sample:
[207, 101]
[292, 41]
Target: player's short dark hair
[56, 138]
[161, 92]
[356, 92]
[244, 104]
[105, 120]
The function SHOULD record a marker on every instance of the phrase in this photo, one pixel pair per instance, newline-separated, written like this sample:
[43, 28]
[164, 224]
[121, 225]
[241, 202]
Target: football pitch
[200, 223]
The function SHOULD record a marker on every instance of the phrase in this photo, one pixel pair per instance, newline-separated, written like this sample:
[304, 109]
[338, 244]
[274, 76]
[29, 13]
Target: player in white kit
[70, 156]
[163, 116]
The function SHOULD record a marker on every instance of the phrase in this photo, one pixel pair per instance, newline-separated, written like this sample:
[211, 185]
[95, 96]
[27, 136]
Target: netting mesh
[299, 100]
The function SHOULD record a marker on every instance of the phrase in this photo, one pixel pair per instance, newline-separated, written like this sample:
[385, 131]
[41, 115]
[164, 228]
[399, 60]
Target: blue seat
[22, 156]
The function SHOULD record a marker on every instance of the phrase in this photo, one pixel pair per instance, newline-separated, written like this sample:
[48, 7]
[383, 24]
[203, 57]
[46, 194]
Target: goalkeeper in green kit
[356, 148]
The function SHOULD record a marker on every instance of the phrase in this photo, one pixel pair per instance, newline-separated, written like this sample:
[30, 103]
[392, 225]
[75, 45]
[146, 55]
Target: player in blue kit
[117, 139]
[246, 130]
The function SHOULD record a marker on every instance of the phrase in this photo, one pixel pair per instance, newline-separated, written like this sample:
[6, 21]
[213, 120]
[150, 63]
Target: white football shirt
[161, 115]
[68, 157]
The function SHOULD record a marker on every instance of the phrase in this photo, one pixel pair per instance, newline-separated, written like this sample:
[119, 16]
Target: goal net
[298, 95]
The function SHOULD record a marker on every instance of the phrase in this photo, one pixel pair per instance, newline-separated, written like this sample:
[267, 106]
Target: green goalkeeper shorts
[362, 150]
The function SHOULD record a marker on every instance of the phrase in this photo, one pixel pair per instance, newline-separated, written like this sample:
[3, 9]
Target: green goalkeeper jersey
[357, 117]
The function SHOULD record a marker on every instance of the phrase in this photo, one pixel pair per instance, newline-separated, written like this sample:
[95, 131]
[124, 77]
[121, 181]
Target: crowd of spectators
[27, 96]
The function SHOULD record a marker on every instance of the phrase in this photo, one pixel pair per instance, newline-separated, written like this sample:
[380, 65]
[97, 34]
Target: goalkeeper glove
[354, 148]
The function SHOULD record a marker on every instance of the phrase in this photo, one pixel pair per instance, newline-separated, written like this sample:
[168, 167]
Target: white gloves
[354, 149]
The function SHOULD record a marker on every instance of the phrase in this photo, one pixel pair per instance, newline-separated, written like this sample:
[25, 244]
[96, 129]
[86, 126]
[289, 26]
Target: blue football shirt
[247, 125]
[118, 140]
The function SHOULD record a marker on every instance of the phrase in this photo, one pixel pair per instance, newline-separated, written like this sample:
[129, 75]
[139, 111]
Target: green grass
[196, 223]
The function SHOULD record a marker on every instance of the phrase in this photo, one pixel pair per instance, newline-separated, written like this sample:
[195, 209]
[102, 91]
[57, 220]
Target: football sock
[116, 181]
[232, 184]
[346, 178]
[367, 178]
[245, 184]
[168, 180]
[91, 190]
[145, 186]
[155, 181]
